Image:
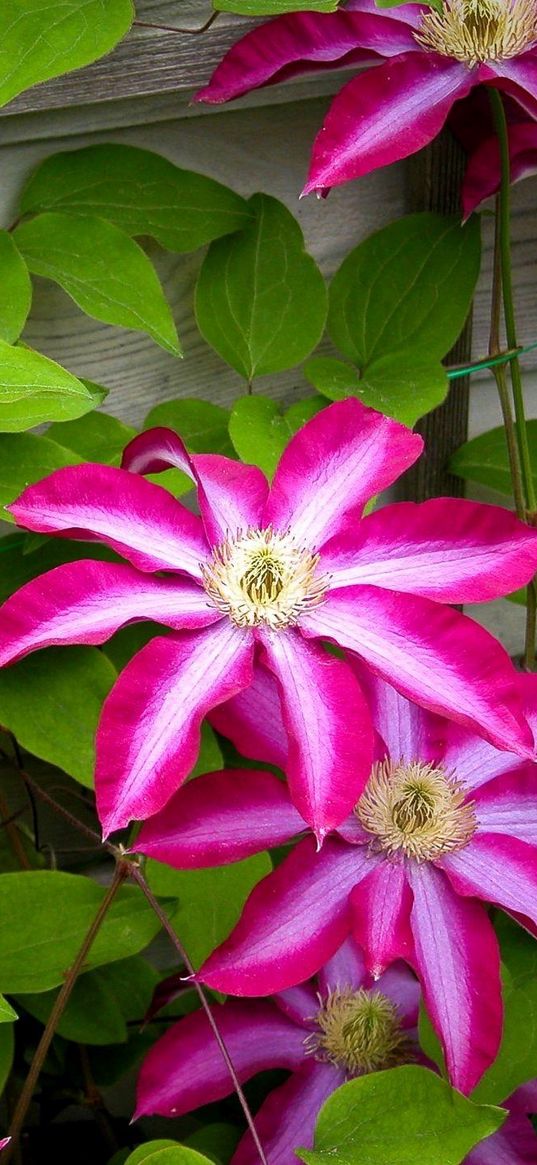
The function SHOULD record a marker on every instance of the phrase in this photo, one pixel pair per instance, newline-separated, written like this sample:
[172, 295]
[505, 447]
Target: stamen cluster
[416, 811]
[359, 1031]
[475, 31]
[263, 577]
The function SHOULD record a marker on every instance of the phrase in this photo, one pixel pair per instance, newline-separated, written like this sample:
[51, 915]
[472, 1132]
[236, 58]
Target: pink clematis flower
[444, 820]
[483, 172]
[266, 572]
[326, 1031]
[430, 61]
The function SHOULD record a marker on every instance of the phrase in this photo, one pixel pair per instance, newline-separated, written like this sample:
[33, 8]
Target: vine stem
[120, 874]
[521, 428]
[500, 375]
[139, 878]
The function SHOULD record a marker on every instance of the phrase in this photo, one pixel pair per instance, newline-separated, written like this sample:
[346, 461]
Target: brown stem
[121, 872]
[172, 28]
[136, 873]
[13, 835]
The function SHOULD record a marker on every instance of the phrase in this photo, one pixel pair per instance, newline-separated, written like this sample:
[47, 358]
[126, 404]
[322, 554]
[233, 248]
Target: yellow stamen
[475, 31]
[359, 1031]
[416, 810]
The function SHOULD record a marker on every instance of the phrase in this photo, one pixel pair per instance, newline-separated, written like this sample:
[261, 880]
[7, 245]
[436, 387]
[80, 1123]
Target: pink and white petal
[185, 1068]
[514, 1144]
[497, 868]
[300, 42]
[301, 1004]
[328, 726]
[508, 805]
[458, 963]
[87, 601]
[149, 733]
[156, 450]
[345, 969]
[333, 466]
[386, 114]
[400, 984]
[105, 504]
[431, 654]
[231, 495]
[448, 549]
[482, 177]
[293, 921]
[287, 1118]
[381, 907]
[516, 76]
[473, 759]
[528, 687]
[411, 14]
[406, 730]
[252, 720]
[219, 818]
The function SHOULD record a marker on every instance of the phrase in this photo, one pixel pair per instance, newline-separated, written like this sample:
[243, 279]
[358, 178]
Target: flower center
[359, 1031]
[263, 577]
[474, 31]
[416, 811]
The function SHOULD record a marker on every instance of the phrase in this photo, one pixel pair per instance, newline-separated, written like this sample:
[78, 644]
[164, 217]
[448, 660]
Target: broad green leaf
[98, 437]
[518, 949]
[260, 432]
[101, 1002]
[166, 1153]
[516, 1062]
[25, 458]
[484, 459]
[260, 298]
[39, 40]
[16, 290]
[216, 1141]
[102, 269]
[65, 687]
[139, 191]
[17, 566]
[401, 386]
[274, 7]
[7, 1013]
[209, 901]
[34, 389]
[407, 289]
[404, 1116]
[334, 378]
[7, 1049]
[45, 916]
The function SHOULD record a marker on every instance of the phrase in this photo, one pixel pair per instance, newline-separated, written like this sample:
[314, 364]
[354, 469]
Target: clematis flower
[516, 1142]
[264, 573]
[325, 1031]
[430, 60]
[445, 819]
[483, 172]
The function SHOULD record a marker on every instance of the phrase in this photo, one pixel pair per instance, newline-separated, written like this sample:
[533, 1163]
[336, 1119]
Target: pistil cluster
[359, 1031]
[475, 31]
[416, 811]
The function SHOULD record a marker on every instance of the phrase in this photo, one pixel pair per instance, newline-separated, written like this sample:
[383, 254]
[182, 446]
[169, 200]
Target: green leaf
[38, 40]
[16, 290]
[218, 1141]
[7, 1051]
[260, 298]
[484, 459]
[142, 1153]
[101, 1002]
[17, 566]
[65, 687]
[139, 191]
[102, 269]
[34, 389]
[25, 458]
[399, 1117]
[398, 386]
[165, 1153]
[332, 377]
[97, 437]
[274, 7]
[45, 916]
[210, 901]
[260, 432]
[7, 1013]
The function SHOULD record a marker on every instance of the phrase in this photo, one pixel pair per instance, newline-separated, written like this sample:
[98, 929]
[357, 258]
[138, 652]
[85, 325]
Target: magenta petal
[253, 720]
[406, 730]
[328, 725]
[516, 76]
[399, 983]
[148, 737]
[333, 466]
[458, 963]
[381, 907]
[386, 114]
[448, 549]
[499, 869]
[186, 1069]
[86, 602]
[156, 450]
[514, 1144]
[431, 654]
[101, 503]
[292, 923]
[474, 760]
[5, 1141]
[482, 177]
[221, 817]
[287, 1118]
[231, 495]
[509, 805]
[346, 968]
[300, 1003]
